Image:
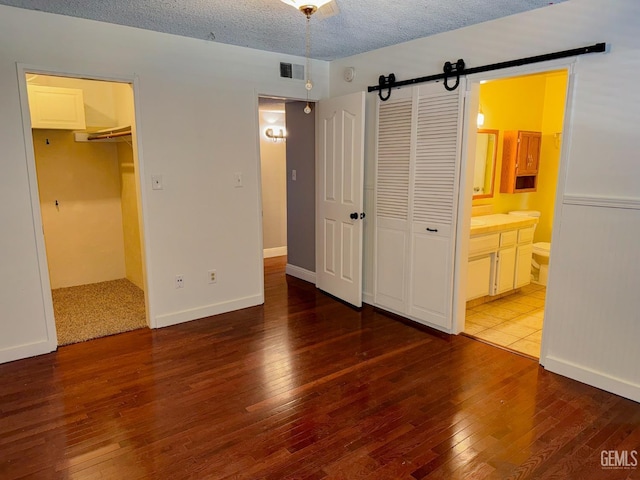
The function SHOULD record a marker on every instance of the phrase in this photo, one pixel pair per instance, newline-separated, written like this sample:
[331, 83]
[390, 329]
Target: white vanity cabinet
[482, 255]
[505, 267]
[524, 252]
[505, 270]
[479, 277]
[500, 251]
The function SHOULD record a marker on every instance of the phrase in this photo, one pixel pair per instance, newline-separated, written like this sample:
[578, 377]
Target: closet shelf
[116, 134]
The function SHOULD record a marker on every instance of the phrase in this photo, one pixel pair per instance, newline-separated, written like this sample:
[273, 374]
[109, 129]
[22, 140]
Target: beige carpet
[97, 310]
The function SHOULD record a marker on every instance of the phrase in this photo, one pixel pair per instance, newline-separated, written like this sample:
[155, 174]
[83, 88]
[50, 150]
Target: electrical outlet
[294, 175]
[213, 277]
[179, 281]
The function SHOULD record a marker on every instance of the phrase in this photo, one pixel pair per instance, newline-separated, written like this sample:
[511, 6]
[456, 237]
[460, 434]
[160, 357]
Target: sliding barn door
[340, 197]
[417, 178]
[435, 181]
[396, 131]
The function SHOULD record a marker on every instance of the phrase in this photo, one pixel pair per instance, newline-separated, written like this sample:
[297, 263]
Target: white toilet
[541, 252]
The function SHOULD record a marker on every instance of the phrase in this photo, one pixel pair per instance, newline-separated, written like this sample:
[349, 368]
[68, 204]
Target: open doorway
[287, 157]
[273, 168]
[518, 155]
[83, 134]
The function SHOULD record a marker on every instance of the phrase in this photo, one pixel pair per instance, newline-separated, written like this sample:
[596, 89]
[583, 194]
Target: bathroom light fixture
[480, 120]
[308, 8]
[281, 135]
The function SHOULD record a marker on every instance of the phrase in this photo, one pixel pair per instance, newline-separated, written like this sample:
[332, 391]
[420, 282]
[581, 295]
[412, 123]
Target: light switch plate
[156, 182]
[237, 179]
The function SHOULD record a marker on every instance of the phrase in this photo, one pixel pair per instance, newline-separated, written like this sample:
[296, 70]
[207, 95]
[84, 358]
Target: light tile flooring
[514, 321]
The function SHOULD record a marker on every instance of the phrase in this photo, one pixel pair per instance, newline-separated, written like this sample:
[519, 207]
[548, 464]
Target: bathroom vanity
[500, 250]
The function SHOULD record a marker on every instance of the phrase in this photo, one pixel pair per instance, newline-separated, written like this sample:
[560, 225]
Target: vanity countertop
[499, 222]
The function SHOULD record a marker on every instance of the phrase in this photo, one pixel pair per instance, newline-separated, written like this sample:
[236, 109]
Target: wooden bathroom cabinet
[520, 161]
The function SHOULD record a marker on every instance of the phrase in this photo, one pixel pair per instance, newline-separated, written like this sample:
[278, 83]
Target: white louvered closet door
[393, 169]
[434, 194]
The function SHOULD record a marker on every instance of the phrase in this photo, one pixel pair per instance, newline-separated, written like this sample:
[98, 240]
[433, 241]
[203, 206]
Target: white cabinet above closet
[417, 171]
[56, 108]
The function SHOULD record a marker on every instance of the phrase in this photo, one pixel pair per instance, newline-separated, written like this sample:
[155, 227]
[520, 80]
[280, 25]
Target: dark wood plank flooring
[303, 387]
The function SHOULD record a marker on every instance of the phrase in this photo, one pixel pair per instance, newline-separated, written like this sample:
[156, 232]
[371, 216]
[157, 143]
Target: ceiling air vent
[288, 70]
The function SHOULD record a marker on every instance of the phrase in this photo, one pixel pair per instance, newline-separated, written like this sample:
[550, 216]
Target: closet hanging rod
[450, 70]
[108, 135]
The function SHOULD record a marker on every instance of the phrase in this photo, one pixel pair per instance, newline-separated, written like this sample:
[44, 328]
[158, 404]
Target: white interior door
[339, 206]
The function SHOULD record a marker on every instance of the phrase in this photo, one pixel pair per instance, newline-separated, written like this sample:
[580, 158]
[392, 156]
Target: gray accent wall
[301, 204]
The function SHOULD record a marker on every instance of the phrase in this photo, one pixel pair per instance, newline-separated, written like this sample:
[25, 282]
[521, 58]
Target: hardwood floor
[302, 388]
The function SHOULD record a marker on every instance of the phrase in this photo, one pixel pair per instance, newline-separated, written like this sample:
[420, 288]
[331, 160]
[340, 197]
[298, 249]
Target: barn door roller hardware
[457, 69]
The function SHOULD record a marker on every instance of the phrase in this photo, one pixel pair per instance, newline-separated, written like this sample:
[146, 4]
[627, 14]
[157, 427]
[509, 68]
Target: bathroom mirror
[484, 171]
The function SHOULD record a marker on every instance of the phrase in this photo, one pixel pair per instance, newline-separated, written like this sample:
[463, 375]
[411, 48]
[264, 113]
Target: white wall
[197, 118]
[583, 339]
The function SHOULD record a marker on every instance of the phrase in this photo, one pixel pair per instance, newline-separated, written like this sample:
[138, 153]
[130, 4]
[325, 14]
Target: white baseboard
[175, 318]
[275, 252]
[592, 377]
[25, 351]
[301, 273]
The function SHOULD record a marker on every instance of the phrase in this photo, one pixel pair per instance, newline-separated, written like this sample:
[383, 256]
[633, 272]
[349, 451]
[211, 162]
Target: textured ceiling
[360, 26]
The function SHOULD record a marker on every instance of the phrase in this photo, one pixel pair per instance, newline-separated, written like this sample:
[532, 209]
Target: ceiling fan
[321, 8]
[325, 9]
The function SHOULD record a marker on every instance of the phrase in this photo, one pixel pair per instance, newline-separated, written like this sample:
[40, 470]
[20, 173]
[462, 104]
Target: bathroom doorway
[519, 138]
[89, 204]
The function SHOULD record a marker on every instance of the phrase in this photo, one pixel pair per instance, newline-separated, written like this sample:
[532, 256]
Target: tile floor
[514, 321]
